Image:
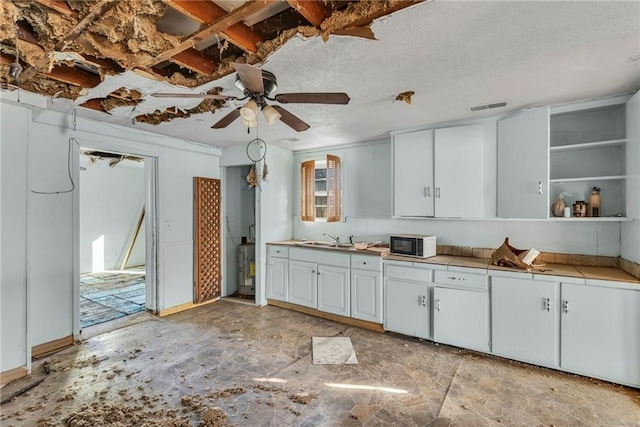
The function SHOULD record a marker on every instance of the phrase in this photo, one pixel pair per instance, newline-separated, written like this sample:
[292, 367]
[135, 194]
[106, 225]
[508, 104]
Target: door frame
[151, 227]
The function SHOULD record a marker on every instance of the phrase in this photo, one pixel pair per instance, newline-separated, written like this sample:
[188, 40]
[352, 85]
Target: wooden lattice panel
[207, 251]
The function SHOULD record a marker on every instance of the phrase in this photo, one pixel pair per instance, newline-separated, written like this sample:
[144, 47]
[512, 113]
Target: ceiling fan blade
[191, 95]
[313, 98]
[251, 77]
[290, 120]
[227, 120]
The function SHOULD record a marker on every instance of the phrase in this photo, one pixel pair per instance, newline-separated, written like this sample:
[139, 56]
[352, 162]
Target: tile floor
[109, 295]
[255, 364]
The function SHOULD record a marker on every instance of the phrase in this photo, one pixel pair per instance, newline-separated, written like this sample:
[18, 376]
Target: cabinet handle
[422, 300]
[539, 187]
[437, 304]
[437, 192]
[318, 273]
[364, 263]
[546, 304]
[456, 278]
[565, 306]
[426, 191]
[313, 271]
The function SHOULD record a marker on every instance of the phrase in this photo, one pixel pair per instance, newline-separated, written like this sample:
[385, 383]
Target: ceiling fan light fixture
[271, 115]
[250, 123]
[249, 111]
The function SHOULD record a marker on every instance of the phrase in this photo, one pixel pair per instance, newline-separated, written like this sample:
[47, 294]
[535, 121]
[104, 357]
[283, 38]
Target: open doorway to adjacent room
[112, 236]
[239, 246]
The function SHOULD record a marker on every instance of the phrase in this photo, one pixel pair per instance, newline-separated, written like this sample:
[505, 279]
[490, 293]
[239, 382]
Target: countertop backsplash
[550, 258]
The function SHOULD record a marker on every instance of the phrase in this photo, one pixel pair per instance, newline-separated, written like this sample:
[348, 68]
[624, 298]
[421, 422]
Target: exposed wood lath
[109, 37]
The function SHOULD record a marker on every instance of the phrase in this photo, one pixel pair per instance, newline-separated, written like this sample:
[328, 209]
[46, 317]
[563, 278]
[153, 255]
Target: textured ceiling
[453, 55]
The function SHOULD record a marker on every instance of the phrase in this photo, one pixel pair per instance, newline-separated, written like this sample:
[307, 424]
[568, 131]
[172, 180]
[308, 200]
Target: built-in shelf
[588, 178]
[589, 145]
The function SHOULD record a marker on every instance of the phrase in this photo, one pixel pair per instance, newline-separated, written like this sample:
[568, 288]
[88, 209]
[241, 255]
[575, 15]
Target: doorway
[112, 238]
[240, 234]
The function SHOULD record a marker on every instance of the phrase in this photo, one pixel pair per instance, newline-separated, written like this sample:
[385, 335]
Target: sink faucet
[335, 238]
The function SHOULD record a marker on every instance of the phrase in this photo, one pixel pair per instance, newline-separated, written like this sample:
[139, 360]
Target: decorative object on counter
[580, 209]
[508, 256]
[559, 204]
[567, 212]
[594, 203]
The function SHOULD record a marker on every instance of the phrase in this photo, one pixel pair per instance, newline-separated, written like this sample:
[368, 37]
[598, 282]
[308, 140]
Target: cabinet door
[601, 332]
[366, 295]
[277, 278]
[524, 319]
[333, 290]
[303, 283]
[632, 156]
[460, 318]
[458, 172]
[523, 165]
[407, 308]
[413, 174]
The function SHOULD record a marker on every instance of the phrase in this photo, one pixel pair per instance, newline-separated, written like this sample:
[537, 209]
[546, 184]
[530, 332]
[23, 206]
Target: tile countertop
[566, 270]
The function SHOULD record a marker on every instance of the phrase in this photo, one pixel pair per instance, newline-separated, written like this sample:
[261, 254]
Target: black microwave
[414, 245]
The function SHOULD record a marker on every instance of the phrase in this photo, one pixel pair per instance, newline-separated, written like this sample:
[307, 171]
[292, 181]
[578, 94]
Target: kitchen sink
[329, 245]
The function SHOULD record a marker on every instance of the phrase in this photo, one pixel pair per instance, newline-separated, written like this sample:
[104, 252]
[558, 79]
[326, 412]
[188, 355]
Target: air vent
[488, 106]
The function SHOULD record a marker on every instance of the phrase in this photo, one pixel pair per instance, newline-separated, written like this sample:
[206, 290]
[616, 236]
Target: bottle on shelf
[594, 203]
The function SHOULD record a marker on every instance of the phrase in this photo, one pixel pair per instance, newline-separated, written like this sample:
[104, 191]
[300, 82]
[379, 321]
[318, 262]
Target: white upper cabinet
[413, 174]
[523, 165]
[633, 156]
[438, 173]
[458, 172]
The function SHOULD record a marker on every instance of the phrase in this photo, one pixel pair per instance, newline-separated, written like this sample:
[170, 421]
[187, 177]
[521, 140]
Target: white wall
[111, 199]
[13, 237]
[362, 188]
[40, 244]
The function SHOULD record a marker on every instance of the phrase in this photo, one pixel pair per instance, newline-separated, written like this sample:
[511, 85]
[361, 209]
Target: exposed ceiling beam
[26, 34]
[100, 9]
[94, 104]
[212, 29]
[59, 6]
[206, 12]
[195, 61]
[312, 10]
[73, 76]
[7, 59]
[382, 11]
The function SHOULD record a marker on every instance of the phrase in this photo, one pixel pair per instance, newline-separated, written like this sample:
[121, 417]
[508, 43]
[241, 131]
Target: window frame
[334, 177]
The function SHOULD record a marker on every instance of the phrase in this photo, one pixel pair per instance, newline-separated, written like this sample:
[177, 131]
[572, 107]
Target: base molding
[51, 347]
[12, 374]
[183, 307]
[375, 327]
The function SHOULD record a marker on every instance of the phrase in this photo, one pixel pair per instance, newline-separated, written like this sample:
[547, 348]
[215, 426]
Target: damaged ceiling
[403, 63]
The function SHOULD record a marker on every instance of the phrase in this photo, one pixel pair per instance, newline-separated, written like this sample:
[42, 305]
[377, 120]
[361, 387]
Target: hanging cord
[73, 185]
[229, 230]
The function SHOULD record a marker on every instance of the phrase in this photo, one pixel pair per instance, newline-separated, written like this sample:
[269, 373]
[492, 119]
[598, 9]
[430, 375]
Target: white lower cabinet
[601, 332]
[303, 283]
[278, 279]
[407, 308]
[366, 295]
[524, 319]
[333, 290]
[460, 318]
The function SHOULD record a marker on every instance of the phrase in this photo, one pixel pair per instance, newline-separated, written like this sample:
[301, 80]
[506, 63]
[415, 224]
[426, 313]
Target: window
[321, 190]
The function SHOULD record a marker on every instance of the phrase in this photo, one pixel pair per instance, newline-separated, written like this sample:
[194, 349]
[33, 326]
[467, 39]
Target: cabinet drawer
[366, 262]
[326, 257]
[407, 273]
[278, 251]
[463, 280]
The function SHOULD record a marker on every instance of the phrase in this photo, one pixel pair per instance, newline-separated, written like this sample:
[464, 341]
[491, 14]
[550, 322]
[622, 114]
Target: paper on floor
[333, 351]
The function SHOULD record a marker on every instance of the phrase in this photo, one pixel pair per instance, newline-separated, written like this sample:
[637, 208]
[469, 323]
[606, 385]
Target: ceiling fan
[259, 86]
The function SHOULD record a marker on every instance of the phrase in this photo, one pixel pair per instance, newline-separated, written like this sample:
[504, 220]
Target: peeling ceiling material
[180, 42]
[405, 96]
[451, 54]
